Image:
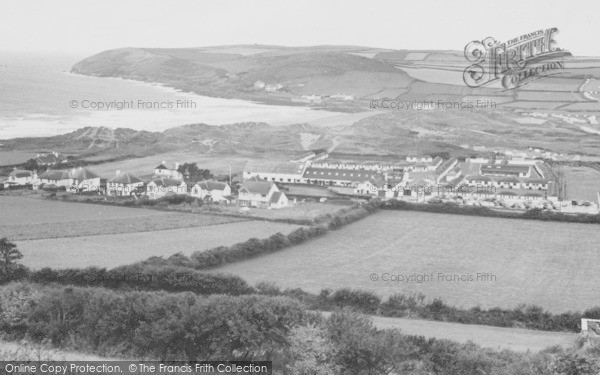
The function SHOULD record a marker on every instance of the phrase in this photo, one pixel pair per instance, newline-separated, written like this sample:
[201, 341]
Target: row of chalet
[166, 180]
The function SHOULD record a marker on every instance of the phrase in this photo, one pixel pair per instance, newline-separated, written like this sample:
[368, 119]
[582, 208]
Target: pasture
[60, 234]
[15, 157]
[112, 250]
[549, 264]
[30, 218]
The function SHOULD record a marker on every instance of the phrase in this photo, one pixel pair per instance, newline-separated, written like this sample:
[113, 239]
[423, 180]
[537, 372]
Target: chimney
[176, 165]
[55, 153]
[118, 172]
[73, 170]
[164, 162]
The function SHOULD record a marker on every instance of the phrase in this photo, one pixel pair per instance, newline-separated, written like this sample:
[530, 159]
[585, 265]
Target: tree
[311, 352]
[191, 173]
[9, 255]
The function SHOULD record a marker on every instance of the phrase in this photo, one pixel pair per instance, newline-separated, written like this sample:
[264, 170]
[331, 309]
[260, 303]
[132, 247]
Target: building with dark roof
[123, 184]
[168, 170]
[160, 187]
[21, 177]
[506, 170]
[338, 177]
[213, 191]
[56, 178]
[256, 193]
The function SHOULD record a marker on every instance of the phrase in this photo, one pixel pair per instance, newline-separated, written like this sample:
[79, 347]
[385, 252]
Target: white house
[278, 200]
[56, 178]
[123, 184]
[161, 187]
[168, 170]
[22, 177]
[261, 194]
[83, 179]
[213, 191]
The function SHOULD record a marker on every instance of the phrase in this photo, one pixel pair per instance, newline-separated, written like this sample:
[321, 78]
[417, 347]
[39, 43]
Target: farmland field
[15, 157]
[553, 265]
[120, 249]
[583, 183]
[303, 211]
[488, 337]
[38, 219]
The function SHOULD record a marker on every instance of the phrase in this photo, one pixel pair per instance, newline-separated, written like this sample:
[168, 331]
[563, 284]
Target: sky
[81, 27]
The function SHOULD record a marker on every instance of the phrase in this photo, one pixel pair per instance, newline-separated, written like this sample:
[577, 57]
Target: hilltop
[363, 73]
[232, 71]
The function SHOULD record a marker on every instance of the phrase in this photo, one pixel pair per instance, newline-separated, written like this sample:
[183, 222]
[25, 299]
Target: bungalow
[337, 177]
[445, 168]
[160, 187]
[504, 170]
[507, 183]
[276, 171]
[455, 173]
[123, 183]
[213, 191]
[434, 164]
[419, 159]
[22, 177]
[535, 184]
[168, 170]
[260, 194]
[83, 179]
[56, 178]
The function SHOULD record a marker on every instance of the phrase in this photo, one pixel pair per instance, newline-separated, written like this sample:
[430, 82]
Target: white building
[56, 178]
[276, 171]
[264, 194]
[161, 187]
[213, 191]
[123, 184]
[83, 179]
[168, 170]
[419, 159]
[22, 177]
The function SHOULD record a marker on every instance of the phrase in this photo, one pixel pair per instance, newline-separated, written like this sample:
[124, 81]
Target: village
[503, 181]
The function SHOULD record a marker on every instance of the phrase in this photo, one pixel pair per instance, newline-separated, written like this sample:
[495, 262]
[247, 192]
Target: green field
[499, 338]
[31, 219]
[60, 235]
[553, 265]
[112, 250]
[15, 157]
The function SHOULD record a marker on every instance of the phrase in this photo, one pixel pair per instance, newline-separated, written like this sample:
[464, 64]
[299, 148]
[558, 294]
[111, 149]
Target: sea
[39, 97]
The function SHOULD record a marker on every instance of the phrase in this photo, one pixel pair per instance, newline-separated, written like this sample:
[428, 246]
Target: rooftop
[257, 187]
[281, 167]
[125, 178]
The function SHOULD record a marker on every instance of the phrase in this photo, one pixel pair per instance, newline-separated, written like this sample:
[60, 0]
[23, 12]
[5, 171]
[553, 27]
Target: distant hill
[362, 72]
[232, 71]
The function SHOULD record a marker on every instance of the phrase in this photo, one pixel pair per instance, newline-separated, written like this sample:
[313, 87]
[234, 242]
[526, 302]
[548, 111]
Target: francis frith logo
[516, 62]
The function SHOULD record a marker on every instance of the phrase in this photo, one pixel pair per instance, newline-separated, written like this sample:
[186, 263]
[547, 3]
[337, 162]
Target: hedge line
[157, 325]
[415, 306]
[144, 277]
[221, 255]
[181, 279]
